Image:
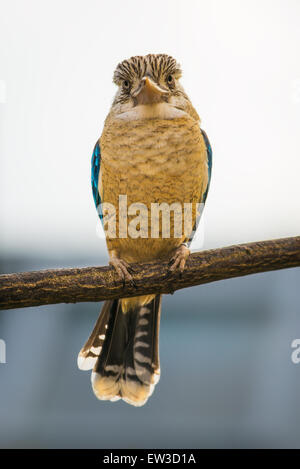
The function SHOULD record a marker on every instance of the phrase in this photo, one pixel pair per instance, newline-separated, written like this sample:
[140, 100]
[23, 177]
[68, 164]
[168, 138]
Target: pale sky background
[241, 68]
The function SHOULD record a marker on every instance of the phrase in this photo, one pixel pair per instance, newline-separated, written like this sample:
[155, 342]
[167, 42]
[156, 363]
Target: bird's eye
[170, 79]
[126, 84]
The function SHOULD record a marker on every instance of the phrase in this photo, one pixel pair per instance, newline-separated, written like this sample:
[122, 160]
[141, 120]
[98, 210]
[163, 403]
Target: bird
[152, 151]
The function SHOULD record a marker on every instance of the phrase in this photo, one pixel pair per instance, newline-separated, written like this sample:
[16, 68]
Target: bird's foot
[123, 269]
[178, 261]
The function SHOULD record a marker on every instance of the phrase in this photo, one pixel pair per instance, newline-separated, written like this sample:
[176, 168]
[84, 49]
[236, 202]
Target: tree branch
[101, 283]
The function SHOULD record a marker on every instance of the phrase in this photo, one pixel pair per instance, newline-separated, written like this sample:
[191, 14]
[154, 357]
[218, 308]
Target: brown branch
[101, 283]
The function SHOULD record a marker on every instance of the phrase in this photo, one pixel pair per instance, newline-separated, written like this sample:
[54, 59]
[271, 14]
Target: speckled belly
[152, 161]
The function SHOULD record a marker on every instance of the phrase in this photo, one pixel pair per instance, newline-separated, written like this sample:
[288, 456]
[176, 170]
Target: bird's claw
[178, 260]
[123, 269]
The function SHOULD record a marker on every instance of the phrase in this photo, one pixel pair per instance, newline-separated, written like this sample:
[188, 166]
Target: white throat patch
[152, 111]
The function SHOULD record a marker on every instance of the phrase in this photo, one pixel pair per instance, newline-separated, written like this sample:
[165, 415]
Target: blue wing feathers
[209, 163]
[96, 162]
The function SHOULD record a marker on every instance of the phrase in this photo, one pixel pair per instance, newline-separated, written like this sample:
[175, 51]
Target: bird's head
[148, 86]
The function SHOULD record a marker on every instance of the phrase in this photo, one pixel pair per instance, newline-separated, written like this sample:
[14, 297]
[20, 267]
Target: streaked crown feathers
[156, 65]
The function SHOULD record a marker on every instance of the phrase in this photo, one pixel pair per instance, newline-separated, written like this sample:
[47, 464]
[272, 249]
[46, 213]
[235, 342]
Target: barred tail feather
[127, 365]
[89, 354]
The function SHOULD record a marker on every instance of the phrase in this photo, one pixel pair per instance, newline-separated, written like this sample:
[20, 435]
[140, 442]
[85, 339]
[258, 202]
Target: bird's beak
[148, 92]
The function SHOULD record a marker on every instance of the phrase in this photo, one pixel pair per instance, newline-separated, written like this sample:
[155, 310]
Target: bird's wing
[209, 164]
[204, 196]
[96, 163]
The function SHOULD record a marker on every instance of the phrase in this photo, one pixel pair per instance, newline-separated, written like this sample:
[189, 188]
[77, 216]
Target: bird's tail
[123, 350]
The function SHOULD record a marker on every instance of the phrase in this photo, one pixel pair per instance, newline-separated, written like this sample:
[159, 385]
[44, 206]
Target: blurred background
[227, 375]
